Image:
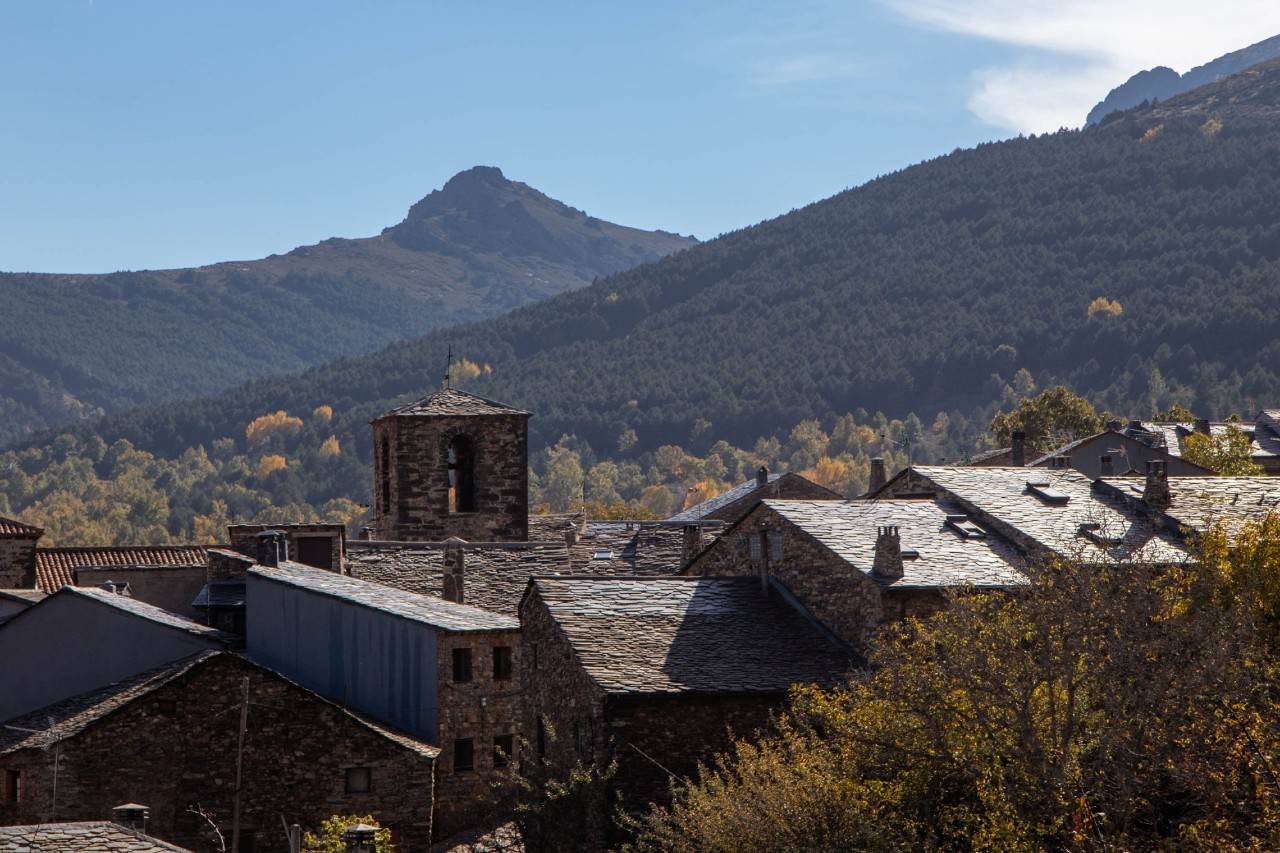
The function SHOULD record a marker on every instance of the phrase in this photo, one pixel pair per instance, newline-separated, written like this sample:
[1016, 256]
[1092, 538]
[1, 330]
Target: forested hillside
[1137, 262]
[74, 346]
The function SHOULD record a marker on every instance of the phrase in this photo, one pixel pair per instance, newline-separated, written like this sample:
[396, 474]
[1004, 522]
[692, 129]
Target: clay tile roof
[1033, 518]
[436, 612]
[451, 401]
[676, 635]
[10, 529]
[56, 567]
[946, 557]
[150, 612]
[94, 836]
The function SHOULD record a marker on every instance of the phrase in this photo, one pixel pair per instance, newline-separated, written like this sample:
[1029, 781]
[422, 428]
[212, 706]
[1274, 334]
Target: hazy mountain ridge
[74, 345]
[1161, 82]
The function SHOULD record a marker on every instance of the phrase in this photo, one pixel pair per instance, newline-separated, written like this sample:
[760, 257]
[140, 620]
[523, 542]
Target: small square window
[464, 755]
[503, 749]
[502, 663]
[12, 786]
[359, 780]
[462, 664]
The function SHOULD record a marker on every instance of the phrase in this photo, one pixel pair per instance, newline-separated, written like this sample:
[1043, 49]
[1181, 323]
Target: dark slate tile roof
[946, 557]
[494, 574]
[436, 612]
[56, 567]
[676, 635]
[1198, 502]
[225, 593]
[10, 529]
[150, 612]
[1263, 442]
[26, 596]
[93, 836]
[1023, 513]
[721, 500]
[46, 726]
[451, 401]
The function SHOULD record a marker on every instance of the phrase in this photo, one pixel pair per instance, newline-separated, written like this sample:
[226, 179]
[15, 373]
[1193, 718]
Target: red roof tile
[55, 567]
[11, 528]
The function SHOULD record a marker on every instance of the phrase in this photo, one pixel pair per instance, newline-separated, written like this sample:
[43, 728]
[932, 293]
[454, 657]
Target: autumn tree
[262, 428]
[1052, 418]
[329, 838]
[1229, 453]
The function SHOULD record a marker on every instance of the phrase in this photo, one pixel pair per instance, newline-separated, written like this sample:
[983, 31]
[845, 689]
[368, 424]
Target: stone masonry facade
[17, 562]
[411, 478]
[174, 749]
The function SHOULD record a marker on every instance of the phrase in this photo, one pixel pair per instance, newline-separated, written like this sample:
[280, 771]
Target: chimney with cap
[762, 476]
[1156, 494]
[888, 559]
[1114, 425]
[879, 475]
[132, 815]
[1202, 426]
[361, 838]
[273, 548]
[455, 561]
[571, 534]
[692, 542]
[1019, 449]
[1106, 466]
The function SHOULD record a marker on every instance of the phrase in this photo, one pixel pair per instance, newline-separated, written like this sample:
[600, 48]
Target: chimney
[1202, 426]
[117, 588]
[879, 475]
[1156, 494]
[1136, 425]
[762, 476]
[888, 560]
[1106, 466]
[131, 815]
[361, 838]
[455, 561]
[273, 548]
[571, 534]
[366, 533]
[692, 542]
[1019, 449]
[1061, 462]
[1114, 425]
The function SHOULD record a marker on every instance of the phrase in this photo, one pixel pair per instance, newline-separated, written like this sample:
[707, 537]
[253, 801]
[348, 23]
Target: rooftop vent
[132, 815]
[965, 527]
[1092, 531]
[1047, 493]
[604, 554]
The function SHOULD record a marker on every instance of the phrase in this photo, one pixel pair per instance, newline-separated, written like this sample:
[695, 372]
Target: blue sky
[138, 134]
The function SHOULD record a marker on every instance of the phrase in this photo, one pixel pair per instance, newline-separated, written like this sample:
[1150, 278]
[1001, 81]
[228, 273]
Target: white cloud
[1072, 52]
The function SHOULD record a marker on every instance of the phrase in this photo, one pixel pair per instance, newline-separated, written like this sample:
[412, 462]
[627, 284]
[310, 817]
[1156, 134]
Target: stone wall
[18, 563]
[175, 748]
[838, 595]
[417, 508]
[481, 709]
[244, 538]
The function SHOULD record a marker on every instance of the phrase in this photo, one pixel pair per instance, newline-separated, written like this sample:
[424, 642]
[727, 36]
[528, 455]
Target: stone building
[18, 554]
[80, 639]
[858, 564]
[1263, 432]
[322, 545]
[443, 672]
[1115, 452]
[167, 738]
[1185, 507]
[738, 501]
[451, 465]
[656, 672]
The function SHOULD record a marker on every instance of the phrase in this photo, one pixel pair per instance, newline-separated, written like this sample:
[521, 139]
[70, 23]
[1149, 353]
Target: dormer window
[462, 475]
[605, 554]
[1047, 493]
[965, 527]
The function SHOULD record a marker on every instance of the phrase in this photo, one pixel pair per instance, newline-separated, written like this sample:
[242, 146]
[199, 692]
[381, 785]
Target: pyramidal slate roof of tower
[451, 401]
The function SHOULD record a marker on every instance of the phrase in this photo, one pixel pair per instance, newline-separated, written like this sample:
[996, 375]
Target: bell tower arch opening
[461, 457]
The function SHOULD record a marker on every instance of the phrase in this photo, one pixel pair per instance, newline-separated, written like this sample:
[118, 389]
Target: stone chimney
[879, 475]
[455, 562]
[1156, 494]
[762, 476]
[1019, 449]
[1061, 462]
[273, 548]
[1115, 425]
[888, 560]
[18, 554]
[131, 815]
[571, 534]
[1106, 465]
[1202, 426]
[366, 533]
[692, 542]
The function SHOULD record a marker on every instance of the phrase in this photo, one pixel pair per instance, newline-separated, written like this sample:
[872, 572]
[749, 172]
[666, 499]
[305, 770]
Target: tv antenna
[448, 368]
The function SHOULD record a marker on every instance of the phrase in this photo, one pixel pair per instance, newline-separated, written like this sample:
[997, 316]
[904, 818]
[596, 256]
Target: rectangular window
[462, 664]
[464, 755]
[753, 542]
[775, 545]
[386, 476]
[315, 551]
[12, 786]
[501, 663]
[577, 736]
[503, 749]
[359, 780]
[542, 738]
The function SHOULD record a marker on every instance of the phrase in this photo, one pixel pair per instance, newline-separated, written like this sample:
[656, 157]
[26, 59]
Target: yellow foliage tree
[330, 447]
[277, 423]
[835, 474]
[465, 369]
[269, 464]
[323, 412]
[1104, 307]
[1153, 132]
[1211, 128]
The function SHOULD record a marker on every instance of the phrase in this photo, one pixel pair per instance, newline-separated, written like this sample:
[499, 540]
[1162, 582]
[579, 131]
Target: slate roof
[947, 558]
[1004, 498]
[681, 635]
[10, 529]
[56, 567]
[722, 500]
[774, 487]
[46, 726]
[26, 596]
[451, 401]
[90, 836]
[428, 610]
[224, 593]
[1264, 442]
[142, 610]
[1198, 502]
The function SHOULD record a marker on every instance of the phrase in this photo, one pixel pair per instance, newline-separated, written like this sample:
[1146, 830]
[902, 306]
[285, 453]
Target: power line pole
[244, 724]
